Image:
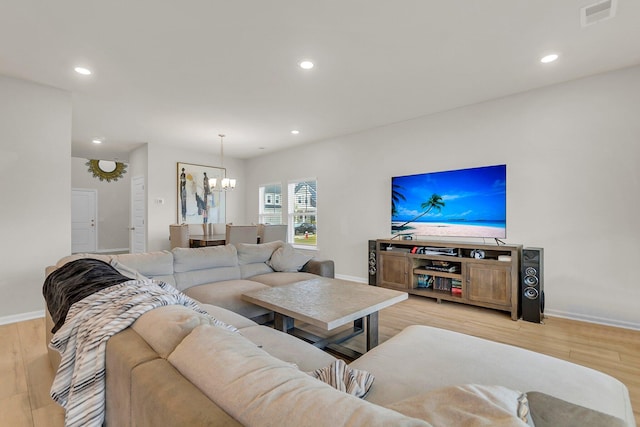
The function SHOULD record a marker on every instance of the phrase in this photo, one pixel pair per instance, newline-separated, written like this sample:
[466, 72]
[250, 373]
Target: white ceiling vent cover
[597, 12]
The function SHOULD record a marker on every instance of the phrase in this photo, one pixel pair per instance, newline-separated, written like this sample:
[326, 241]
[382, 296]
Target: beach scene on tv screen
[457, 203]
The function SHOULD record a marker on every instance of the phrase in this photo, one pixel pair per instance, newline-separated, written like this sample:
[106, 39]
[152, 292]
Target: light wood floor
[26, 376]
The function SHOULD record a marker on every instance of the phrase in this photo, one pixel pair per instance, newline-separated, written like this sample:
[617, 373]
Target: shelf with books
[437, 273]
[443, 283]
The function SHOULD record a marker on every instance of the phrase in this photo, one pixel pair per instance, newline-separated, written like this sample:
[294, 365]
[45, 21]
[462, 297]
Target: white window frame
[262, 201]
[291, 198]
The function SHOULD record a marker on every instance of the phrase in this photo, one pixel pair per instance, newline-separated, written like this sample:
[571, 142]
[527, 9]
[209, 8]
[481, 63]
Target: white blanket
[470, 405]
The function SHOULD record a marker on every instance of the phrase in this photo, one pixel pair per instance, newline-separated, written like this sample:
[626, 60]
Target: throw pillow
[249, 253]
[549, 411]
[286, 258]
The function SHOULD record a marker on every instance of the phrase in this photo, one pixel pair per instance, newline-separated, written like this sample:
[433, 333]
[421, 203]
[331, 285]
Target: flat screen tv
[458, 203]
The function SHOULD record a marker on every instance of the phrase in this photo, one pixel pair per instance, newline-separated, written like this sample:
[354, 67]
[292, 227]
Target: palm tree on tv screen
[396, 197]
[434, 202]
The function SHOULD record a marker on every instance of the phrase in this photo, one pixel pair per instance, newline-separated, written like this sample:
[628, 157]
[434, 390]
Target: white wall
[162, 184]
[35, 213]
[572, 152]
[573, 184]
[113, 204]
[158, 164]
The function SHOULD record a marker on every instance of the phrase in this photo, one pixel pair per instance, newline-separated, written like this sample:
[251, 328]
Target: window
[270, 205]
[302, 196]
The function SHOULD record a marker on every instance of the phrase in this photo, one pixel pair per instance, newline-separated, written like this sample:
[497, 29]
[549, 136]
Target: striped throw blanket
[344, 378]
[79, 385]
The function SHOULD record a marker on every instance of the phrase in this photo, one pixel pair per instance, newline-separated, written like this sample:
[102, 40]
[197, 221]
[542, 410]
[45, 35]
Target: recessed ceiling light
[295, 132]
[307, 65]
[83, 71]
[96, 141]
[549, 58]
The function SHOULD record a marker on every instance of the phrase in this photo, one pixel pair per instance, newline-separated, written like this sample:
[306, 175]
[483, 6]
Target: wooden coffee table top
[324, 302]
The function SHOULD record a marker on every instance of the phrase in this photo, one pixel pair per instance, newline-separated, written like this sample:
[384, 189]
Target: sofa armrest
[54, 356]
[323, 268]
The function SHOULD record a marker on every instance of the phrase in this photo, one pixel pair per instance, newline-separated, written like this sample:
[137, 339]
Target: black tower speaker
[373, 263]
[532, 286]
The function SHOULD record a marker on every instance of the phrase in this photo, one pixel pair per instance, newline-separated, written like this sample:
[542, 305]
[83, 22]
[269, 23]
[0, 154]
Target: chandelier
[225, 183]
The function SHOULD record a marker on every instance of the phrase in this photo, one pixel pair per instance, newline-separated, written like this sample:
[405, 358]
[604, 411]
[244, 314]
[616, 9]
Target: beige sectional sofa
[173, 368]
[218, 275]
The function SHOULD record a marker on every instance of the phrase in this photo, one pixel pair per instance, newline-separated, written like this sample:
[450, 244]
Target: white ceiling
[181, 72]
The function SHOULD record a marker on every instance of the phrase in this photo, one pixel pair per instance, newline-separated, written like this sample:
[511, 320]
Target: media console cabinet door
[489, 284]
[393, 270]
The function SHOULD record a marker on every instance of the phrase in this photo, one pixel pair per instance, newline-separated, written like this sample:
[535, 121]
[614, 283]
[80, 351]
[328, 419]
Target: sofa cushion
[165, 327]
[190, 279]
[197, 266]
[227, 294]
[449, 358]
[253, 386]
[253, 258]
[188, 259]
[228, 316]
[247, 271]
[250, 253]
[279, 279]
[161, 396]
[155, 265]
[288, 348]
[287, 258]
[125, 351]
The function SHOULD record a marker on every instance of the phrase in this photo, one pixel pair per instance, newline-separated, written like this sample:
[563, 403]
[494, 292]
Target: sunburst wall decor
[106, 170]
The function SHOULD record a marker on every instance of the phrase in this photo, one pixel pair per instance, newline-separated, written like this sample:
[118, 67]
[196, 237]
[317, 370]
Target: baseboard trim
[5, 320]
[352, 278]
[592, 319]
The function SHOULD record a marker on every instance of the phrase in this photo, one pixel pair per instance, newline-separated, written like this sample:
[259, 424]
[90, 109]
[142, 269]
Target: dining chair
[179, 235]
[241, 234]
[271, 233]
[196, 229]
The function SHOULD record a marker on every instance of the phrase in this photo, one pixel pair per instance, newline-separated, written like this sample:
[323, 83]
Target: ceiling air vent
[597, 12]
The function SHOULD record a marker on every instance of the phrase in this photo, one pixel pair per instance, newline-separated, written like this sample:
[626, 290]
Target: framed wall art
[197, 203]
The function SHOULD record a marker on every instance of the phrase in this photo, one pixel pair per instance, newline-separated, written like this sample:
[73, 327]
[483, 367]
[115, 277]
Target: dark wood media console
[449, 271]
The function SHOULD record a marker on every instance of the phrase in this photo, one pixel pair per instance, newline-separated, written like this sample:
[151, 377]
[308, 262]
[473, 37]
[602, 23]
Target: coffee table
[328, 304]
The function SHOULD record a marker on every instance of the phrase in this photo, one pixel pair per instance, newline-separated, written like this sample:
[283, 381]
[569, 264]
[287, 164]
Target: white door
[84, 206]
[138, 235]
